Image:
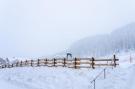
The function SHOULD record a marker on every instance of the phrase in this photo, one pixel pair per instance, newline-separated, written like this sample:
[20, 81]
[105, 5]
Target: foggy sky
[34, 28]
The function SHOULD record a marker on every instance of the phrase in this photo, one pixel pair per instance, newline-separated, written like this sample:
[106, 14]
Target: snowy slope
[121, 39]
[121, 77]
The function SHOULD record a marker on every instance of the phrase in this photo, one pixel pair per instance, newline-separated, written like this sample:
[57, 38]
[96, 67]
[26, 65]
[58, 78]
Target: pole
[21, 64]
[93, 63]
[94, 84]
[45, 62]
[104, 73]
[114, 61]
[26, 62]
[54, 62]
[64, 62]
[31, 63]
[75, 63]
[38, 62]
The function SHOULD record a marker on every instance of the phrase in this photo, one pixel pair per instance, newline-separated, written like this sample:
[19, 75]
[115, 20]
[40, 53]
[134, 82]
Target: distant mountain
[122, 39]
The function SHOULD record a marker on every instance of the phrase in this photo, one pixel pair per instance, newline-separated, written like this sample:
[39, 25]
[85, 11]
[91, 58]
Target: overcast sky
[34, 28]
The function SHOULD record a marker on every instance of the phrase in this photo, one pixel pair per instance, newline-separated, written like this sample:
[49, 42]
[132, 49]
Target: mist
[35, 28]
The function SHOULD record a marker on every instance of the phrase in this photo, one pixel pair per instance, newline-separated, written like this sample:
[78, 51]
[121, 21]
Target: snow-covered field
[121, 77]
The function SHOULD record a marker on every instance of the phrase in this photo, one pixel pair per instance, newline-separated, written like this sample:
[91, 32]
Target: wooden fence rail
[63, 62]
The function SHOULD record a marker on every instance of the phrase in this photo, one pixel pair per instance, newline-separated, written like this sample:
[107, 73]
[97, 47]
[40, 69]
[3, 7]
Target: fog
[35, 28]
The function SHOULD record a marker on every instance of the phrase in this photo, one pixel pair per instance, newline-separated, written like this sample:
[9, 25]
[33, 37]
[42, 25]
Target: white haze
[34, 28]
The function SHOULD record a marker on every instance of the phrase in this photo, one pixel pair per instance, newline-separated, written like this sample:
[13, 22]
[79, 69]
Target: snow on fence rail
[63, 62]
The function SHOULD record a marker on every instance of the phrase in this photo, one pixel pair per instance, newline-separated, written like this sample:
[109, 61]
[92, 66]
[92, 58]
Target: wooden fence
[63, 62]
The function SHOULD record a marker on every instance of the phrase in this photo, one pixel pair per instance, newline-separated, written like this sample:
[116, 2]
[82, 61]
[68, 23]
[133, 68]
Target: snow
[48, 78]
[121, 77]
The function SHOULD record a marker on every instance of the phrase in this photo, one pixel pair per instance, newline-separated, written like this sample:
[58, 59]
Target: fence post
[21, 64]
[114, 60]
[5, 66]
[32, 63]
[26, 62]
[54, 62]
[104, 73]
[75, 63]
[45, 62]
[38, 62]
[64, 62]
[93, 63]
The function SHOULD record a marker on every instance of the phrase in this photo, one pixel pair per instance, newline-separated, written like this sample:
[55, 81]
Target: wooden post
[26, 62]
[32, 63]
[45, 62]
[75, 63]
[5, 66]
[21, 64]
[38, 62]
[93, 63]
[114, 61]
[54, 62]
[64, 62]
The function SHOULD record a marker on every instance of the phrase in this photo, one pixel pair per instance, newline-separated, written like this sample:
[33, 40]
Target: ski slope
[121, 77]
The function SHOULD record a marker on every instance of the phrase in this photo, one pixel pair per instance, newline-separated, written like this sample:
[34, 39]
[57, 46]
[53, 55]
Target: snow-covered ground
[121, 77]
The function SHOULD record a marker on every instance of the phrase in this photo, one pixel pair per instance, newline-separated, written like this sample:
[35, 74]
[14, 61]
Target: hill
[122, 39]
